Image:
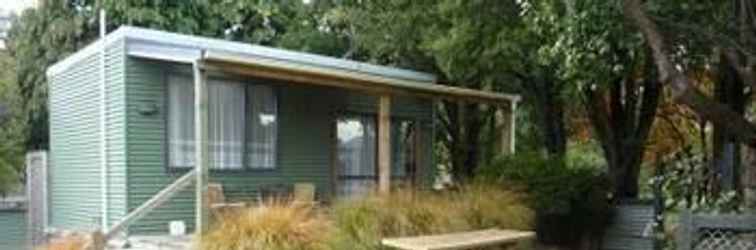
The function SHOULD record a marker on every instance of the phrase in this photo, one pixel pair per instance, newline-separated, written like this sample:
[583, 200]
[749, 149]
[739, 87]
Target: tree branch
[682, 88]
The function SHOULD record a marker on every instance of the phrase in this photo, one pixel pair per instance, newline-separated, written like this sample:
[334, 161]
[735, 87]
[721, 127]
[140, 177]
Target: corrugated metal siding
[75, 144]
[627, 228]
[13, 229]
[305, 116]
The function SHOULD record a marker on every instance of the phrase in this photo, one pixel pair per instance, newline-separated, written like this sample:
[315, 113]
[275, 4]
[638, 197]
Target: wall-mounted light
[148, 109]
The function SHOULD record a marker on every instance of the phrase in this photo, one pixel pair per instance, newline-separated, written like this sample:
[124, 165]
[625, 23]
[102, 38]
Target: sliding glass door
[356, 155]
[356, 135]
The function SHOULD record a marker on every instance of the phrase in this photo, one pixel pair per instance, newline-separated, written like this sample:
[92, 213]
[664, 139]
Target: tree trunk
[549, 110]
[462, 126]
[725, 152]
[622, 120]
[553, 122]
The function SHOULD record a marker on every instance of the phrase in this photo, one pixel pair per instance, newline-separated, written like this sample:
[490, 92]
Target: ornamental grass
[274, 225]
[66, 243]
[360, 224]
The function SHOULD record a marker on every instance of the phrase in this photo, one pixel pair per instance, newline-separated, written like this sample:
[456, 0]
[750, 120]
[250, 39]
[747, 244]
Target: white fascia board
[87, 51]
[163, 52]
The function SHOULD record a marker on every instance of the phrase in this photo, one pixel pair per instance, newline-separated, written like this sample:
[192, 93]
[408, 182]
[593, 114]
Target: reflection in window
[357, 150]
[262, 130]
[356, 155]
[242, 123]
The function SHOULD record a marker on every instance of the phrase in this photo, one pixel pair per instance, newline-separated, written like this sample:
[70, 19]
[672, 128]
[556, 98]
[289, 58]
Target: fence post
[685, 233]
[36, 196]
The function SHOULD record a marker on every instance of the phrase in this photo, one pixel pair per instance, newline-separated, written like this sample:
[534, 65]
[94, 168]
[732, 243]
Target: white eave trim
[87, 51]
[163, 52]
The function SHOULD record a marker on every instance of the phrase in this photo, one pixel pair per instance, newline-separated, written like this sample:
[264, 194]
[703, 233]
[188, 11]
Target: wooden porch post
[201, 151]
[384, 144]
[505, 118]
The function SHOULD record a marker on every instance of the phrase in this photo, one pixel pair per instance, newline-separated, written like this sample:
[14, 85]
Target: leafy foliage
[688, 184]
[570, 199]
[475, 44]
[591, 43]
[12, 128]
[38, 39]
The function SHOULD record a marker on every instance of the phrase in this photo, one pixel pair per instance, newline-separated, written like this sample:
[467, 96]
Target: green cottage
[142, 120]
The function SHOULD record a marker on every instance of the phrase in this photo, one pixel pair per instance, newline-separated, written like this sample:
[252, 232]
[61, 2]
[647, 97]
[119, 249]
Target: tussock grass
[274, 225]
[361, 224]
[68, 243]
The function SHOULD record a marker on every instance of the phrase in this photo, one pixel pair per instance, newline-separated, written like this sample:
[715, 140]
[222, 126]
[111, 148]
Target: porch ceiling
[346, 79]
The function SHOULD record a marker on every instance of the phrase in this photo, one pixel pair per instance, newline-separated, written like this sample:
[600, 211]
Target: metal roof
[167, 46]
[186, 48]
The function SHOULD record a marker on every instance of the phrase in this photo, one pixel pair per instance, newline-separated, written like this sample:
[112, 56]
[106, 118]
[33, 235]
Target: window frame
[246, 83]
[356, 116]
[339, 178]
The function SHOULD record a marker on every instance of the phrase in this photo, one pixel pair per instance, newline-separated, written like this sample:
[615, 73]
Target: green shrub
[570, 199]
[361, 224]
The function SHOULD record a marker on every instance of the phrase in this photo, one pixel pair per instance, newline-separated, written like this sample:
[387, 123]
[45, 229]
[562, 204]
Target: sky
[14, 5]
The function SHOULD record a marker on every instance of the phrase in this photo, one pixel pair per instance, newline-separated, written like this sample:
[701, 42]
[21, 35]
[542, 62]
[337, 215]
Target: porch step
[158, 242]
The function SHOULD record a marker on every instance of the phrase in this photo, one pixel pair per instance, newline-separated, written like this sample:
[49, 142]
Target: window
[262, 130]
[242, 122]
[404, 146]
[356, 155]
[357, 150]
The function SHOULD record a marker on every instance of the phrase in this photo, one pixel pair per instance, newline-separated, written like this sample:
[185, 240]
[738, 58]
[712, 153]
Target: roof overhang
[297, 67]
[353, 80]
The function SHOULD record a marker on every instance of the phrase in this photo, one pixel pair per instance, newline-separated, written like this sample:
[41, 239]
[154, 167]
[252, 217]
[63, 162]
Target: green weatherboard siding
[13, 229]
[75, 142]
[305, 141]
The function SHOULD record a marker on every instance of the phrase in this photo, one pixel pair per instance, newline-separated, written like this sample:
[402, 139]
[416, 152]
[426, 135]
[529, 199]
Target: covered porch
[350, 77]
[385, 89]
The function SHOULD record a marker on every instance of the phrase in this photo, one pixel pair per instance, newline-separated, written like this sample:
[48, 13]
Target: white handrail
[161, 197]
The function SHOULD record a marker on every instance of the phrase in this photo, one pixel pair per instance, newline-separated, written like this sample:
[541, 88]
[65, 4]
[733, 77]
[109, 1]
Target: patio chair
[217, 199]
[304, 194]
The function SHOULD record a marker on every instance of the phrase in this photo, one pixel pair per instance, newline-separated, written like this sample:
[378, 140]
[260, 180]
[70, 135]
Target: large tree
[726, 26]
[474, 44]
[605, 65]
